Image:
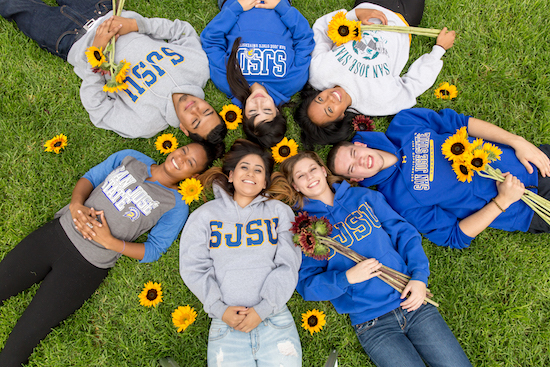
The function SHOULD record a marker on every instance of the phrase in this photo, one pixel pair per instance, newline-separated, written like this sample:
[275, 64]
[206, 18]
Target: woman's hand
[417, 290]
[101, 231]
[248, 4]
[105, 31]
[250, 322]
[267, 4]
[234, 315]
[527, 153]
[84, 220]
[123, 25]
[364, 270]
[509, 191]
[446, 38]
[365, 14]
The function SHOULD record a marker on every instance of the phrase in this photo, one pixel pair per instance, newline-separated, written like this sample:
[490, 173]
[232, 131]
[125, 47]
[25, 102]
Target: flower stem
[429, 32]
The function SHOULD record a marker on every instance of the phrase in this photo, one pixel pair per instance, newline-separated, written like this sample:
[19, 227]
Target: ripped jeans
[275, 342]
[54, 28]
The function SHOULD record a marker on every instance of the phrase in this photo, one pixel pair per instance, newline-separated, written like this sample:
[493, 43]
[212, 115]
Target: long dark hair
[330, 133]
[265, 133]
[240, 149]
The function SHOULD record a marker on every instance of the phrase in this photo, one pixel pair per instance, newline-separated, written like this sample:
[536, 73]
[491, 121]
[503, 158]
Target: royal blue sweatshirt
[275, 48]
[422, 186]
[364, 222]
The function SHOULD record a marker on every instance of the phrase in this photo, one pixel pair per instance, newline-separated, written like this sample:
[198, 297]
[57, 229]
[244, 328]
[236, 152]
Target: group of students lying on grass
[236, 251]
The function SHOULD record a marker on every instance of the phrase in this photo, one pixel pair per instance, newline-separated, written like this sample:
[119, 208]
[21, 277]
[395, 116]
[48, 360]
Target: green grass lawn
[494, 295]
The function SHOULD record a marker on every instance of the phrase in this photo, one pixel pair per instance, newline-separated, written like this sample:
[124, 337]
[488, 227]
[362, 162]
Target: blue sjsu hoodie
[364, 222]
[422, 186]
[275, 48]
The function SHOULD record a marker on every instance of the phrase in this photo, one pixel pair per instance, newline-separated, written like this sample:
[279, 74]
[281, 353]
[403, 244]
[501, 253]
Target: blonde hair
[293, 197]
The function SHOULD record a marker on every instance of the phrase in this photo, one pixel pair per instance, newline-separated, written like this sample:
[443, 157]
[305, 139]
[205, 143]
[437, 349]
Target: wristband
[494, 201]
[123, 247]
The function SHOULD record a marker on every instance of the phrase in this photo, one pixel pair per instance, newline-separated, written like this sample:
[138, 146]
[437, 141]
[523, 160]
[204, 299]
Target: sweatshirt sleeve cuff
[418, 275]
[218, 309]
[236, 8]
[351, 15]
[465, 240]
[263, 309]
[437, 51]
[282, 8]
[342, 280]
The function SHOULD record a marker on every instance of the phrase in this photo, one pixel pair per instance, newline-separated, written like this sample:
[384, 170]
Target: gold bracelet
[494, 201]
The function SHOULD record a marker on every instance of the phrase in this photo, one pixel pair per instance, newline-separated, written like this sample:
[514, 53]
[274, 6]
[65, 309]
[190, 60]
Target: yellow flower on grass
[342, 30]
[166, 143]
[463, 171]
[493, 151]
[284, 149]
[477, 159]
[455, 146]
[232, 115]
[95, 56]
[313, 321]
[151, 294]
[446, 91]
[56, 144]
[122, 70]
[190, 190]
[182, 317]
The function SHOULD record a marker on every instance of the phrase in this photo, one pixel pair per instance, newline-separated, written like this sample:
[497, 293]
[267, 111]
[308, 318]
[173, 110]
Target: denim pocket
[282, 320]
[218, 331]
[361, 328]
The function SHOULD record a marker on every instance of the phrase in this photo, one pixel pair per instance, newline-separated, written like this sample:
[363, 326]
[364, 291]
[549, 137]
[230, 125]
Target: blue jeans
[54, 28]
[405, 339]
[275, 342]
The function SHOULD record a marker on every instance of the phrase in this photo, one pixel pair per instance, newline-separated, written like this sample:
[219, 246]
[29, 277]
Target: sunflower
[166, 143]
[182, 317]
[56, 144]
[342, 30]
[121, 71]
[463, 170]
[95, 56]
[477, 159]
[113, 87]
[284, 149]
[151, 294]
[301, 221]
[455, 146]
[476, 144]
[446, 91]
[190, 190]
[232, 115]
[493, 151]
[313, 321]
[363, 123]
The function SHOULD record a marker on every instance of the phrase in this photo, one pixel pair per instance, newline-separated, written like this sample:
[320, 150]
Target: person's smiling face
[260, 105]
[329, 105]
[185, 162]
[357, 161]
[309, 178]
[195, 114]
[249, 179]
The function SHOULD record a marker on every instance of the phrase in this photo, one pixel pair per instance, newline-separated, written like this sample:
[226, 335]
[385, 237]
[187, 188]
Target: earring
[325, 175]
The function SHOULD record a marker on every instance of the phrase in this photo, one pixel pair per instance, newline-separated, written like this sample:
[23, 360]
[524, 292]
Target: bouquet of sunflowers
[103, 61]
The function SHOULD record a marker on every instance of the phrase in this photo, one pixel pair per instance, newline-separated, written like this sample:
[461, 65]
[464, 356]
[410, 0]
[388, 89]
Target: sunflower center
[231, 116]
[477, 162]
[312, 321]
[463, 169]
[362, 126]
[97, 55]
[343, 30]
[152, 294]
[457, 148]
[444, 92]
[57, 144]
[284, 151]
[310, 242]
[167, 144]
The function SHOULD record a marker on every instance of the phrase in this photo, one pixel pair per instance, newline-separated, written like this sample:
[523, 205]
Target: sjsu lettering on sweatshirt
[143, 75]
[422, 172]
[359, 60]
[114, 188]
[262, 59]
[253, 233]
[356, 226]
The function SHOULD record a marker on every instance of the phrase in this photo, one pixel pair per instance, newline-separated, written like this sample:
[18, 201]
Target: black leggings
[68, 280]
[411, 10]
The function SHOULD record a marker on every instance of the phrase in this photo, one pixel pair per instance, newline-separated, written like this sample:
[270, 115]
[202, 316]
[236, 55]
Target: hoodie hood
[377, 140]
